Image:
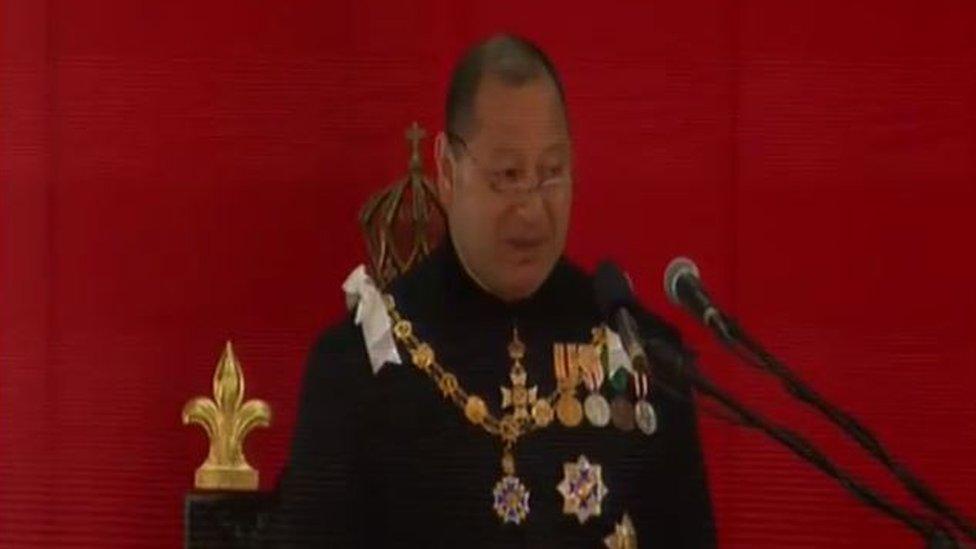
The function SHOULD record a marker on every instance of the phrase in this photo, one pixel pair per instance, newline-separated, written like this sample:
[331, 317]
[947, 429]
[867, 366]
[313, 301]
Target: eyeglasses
[511, 179]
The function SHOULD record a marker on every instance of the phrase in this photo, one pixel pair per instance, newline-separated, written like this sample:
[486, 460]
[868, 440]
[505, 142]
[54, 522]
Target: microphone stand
[750, 351]
[936, 538]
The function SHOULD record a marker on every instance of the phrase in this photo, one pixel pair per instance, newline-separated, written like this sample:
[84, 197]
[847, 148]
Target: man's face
[508, 231]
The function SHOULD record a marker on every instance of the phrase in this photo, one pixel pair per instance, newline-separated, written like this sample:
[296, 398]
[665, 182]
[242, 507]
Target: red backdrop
[178, 173]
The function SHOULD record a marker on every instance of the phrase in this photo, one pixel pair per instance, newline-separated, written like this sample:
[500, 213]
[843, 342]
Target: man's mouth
[523, 244]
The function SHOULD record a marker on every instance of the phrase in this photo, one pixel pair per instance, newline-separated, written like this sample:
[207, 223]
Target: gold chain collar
[511, 426]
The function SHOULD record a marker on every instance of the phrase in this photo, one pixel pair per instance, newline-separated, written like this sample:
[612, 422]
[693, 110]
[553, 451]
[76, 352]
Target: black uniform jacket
[384, 460]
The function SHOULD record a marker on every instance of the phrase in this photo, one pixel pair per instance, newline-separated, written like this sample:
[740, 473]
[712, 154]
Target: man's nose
[530, 205]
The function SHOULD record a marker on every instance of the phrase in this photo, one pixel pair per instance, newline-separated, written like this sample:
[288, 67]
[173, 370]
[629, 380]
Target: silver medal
[645, 417]
[597, 410]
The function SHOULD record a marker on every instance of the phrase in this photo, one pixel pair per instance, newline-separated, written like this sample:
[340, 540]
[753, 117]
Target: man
[477, 437]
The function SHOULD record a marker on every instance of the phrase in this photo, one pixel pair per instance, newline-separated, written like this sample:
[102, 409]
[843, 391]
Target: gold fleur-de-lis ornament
[227, 419]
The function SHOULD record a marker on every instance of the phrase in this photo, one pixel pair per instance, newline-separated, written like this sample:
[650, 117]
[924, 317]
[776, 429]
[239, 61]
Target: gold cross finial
[415, 134]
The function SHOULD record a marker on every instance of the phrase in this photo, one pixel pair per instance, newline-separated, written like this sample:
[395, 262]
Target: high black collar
[440, 288]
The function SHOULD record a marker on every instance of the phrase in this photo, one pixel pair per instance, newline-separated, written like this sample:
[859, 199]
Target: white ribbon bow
[371, 315]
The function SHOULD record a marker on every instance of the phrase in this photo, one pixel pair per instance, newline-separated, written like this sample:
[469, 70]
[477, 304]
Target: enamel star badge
[511, 499]
[583, 489]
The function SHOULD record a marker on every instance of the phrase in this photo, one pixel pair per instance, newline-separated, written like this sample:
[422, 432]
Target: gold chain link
[508, 428]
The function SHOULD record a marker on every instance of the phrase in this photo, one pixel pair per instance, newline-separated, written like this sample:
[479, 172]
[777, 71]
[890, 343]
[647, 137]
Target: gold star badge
[624, 535]
[583, 489]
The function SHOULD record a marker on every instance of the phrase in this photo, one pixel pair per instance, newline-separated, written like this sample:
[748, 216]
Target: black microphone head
[613, 288]
[677, 268]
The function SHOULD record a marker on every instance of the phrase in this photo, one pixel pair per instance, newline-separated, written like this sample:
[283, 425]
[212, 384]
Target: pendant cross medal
[518, 397]
[510, 496]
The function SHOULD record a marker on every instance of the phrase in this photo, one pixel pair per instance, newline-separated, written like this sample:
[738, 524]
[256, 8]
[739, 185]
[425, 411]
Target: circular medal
[597, 410]
[542, 413]
[569, 410]
[622, 413]
[645, 417]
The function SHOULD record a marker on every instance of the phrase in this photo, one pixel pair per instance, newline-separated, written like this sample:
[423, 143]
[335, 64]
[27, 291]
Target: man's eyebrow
[507, 150]
[559, 145]
[503, 151]
[557, 148]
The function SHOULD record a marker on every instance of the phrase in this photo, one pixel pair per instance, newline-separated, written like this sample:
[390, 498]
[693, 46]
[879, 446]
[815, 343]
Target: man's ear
[445, 169]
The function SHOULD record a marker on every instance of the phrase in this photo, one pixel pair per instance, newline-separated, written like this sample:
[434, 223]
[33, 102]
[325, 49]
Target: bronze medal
[622, 413]
[569, 410]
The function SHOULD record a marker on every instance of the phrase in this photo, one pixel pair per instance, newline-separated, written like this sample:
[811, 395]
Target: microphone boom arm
[759, 357]
[682, 284]
[935, 536]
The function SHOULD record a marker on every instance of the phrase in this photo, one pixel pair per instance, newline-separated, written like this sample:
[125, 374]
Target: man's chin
[525, 280]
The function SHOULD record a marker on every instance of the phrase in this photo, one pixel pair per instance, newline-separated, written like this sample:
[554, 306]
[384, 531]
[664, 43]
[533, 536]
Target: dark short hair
[514, 60]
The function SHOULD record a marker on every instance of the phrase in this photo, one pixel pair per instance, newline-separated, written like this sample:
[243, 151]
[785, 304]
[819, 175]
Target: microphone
[615, 298]
[683, 286]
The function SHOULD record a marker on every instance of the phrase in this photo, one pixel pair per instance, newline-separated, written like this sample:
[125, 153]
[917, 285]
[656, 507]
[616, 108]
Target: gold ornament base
[226, 478]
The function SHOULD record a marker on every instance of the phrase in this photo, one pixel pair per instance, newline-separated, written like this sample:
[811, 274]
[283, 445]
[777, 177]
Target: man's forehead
[529, 114]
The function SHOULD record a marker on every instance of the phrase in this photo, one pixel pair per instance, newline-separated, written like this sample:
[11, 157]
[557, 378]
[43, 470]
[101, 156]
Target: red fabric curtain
[178, 173]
